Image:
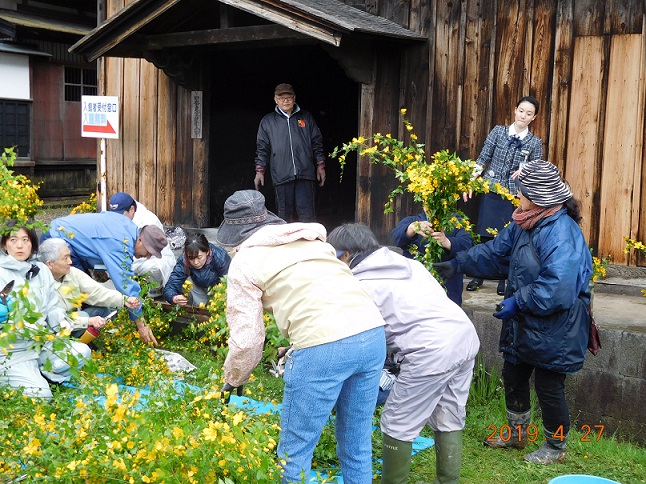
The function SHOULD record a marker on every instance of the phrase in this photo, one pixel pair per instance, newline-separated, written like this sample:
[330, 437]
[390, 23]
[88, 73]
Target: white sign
[100, 117]
[196, 114]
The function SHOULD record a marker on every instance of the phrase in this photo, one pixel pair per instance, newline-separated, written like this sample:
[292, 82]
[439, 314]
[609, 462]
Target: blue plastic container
[581, 479]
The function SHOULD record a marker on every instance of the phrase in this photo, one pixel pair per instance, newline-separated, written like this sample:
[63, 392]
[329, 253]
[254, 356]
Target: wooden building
[196, 76]
[41, 84]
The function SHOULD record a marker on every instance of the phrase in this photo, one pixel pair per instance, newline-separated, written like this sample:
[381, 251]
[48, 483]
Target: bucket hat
[540, 181]
[244, 214]
[154, 239]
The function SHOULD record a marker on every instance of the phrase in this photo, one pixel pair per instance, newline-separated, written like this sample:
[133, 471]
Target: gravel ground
[47, 214]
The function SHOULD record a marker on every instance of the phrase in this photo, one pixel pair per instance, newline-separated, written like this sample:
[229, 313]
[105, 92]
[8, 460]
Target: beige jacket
[76, 282]
[290, 271]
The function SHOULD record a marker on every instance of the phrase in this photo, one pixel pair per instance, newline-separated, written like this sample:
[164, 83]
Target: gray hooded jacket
[429, 333]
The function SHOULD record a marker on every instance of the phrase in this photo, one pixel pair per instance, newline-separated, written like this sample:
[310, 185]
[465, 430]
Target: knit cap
[540, 181]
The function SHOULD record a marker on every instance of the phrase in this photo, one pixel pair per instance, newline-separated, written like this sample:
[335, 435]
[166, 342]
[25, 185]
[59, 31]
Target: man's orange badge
[301, 123]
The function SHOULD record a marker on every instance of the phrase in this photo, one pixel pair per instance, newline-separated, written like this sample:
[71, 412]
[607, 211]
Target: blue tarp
[254, 406]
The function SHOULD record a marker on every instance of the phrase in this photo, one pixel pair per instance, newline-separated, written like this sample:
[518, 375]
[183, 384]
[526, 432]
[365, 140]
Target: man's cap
[154, 239]
[284, 89]
[120, 202]
[540, 181]
[244, 214]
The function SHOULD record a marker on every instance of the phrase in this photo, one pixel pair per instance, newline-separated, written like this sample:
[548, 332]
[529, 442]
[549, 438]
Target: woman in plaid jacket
[505, 151]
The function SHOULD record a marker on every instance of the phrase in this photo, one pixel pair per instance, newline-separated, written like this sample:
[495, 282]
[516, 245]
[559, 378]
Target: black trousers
[550, 389]
[296, 196]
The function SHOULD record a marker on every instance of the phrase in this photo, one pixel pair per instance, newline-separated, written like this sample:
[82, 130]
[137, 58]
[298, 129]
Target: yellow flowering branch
[437, 183]
[632, 244]
[19, 199]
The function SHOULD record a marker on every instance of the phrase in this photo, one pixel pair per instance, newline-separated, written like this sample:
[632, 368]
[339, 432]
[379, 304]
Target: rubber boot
[552, 451]
[448, 457]
[515, 440]
[396, 457]
[475, 284]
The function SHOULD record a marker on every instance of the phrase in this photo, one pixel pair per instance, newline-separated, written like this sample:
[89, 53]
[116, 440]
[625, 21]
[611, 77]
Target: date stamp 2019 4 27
[589, 432]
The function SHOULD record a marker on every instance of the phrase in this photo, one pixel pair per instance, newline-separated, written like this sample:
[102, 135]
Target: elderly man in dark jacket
[290, 143]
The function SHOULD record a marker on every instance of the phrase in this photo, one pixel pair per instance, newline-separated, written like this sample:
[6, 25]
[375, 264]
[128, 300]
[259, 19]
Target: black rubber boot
[552, 451]
[475, 284]
[448, 457]
[500, 290]
[396, 457]
[513, 440]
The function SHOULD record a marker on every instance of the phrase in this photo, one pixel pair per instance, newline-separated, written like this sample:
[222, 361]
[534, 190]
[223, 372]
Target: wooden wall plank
[201, 194]
[113, 86]
[583, 155]
[131, 124]
[624, 17]
[558, 109]
[588, 17]
[618, 171]
[166, 141]
[148, 138]
[638, 226]
[366, 125]
[386, 119]
[541, 65]
[432, 79]
[511, 32]
[394, 10]
[415, 82]
[183, 156]
[445, 64]
[475, 115]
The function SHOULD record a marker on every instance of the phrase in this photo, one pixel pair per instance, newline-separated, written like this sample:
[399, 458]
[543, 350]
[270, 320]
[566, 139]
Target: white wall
[14, 77]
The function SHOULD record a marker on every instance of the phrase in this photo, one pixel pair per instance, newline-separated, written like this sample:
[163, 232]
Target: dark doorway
[243, 83]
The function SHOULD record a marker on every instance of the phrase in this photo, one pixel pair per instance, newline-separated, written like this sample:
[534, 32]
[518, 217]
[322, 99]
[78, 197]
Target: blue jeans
[344, 373]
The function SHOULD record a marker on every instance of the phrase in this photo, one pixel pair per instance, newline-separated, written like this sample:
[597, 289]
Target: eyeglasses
[284, 99]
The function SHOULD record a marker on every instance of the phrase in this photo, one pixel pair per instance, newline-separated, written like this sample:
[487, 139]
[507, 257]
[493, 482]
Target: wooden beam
[276, 15]
[221, 36]
[92, 46]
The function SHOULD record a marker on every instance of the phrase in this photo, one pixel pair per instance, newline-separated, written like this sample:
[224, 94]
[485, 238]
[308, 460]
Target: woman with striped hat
[545, 314]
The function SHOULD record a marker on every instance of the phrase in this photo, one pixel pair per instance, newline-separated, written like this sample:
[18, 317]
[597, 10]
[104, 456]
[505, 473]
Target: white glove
[387, 380]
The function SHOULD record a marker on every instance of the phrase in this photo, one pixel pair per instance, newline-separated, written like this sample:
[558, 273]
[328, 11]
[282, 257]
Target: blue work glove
[506, 309]
[446, 270]
[5, 309]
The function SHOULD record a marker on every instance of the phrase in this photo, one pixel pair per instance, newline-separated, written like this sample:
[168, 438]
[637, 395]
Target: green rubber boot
[396, 457]
[448, 457]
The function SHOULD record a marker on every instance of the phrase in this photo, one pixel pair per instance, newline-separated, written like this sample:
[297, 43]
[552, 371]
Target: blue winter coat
[208, 275]
[460, 240]
[549, 279]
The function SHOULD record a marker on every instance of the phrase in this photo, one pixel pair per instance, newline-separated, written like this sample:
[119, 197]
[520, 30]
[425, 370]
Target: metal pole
[102, 188]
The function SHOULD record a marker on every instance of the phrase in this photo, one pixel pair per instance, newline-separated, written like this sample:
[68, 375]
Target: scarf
[526, 219]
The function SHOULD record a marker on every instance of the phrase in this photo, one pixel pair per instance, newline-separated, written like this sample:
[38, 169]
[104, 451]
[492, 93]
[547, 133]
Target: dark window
[15, 126]
[78, 82]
